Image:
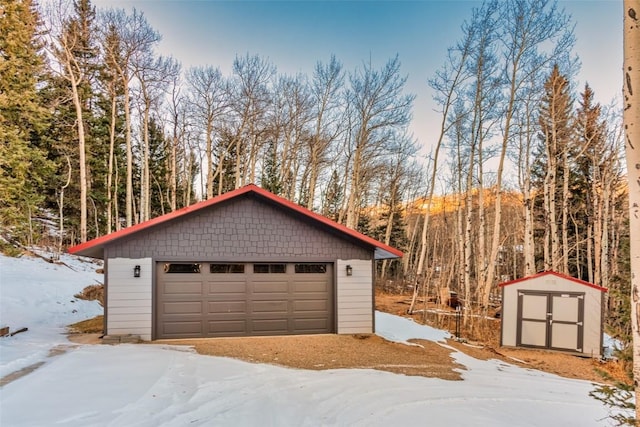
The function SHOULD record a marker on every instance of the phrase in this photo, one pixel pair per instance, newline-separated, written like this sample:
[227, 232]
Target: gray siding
[354, 297]
[241, 229]
[592, 325]
[129, 298]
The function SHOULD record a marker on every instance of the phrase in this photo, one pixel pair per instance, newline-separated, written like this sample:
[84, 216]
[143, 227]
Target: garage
[238, 299]
[552, 311]
[244, 263]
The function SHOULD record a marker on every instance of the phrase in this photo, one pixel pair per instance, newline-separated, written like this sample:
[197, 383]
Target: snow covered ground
[143, 385]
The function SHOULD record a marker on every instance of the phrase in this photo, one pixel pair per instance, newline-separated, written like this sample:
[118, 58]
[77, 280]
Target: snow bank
[38, 295]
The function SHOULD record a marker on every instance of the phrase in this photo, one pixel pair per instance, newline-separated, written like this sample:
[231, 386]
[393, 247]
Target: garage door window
[269, 268]
[311, 268]
[226, 268]
[182, 268]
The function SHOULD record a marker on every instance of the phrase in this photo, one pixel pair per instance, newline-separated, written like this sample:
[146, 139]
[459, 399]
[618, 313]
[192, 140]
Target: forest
[99, 131]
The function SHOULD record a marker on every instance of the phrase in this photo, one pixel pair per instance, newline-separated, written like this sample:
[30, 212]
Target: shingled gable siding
[355, 297]
[129, 298]
[243, 229]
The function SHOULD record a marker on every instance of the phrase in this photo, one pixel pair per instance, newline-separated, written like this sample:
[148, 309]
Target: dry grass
[89, 326]
[92, 293]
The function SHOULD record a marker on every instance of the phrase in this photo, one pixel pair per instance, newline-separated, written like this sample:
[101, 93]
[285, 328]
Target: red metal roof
[96, 246]
[554, 273]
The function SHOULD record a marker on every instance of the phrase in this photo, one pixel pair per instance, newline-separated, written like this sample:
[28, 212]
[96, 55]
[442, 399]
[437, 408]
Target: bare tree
[528, 28]
[288, 124]
[328, 80]
[136, 37]
[379, 107]
[175, 107]
[208, 99]
[249, 100]
[153, 75]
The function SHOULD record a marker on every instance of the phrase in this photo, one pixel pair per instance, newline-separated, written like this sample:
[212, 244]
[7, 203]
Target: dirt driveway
[319, 352]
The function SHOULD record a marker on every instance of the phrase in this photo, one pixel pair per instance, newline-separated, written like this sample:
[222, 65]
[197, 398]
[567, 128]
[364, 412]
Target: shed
[244, 263]
[553, 311]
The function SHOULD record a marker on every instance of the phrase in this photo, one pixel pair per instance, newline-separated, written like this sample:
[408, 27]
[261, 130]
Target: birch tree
[631, 117]
[535, 35]
[208, 100]
[72, 45]
[249, 101]
[328, 80]
[136, 37]
[379, 107]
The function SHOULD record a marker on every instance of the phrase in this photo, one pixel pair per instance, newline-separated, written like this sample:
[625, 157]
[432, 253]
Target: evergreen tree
[551, 169]
[158, 156]
[224, 163]
[270, 180]
[333, 198]
[590, 139]
[23, 117]
[79, 137]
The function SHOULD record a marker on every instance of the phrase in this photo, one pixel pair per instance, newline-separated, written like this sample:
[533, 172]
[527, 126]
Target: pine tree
[23, 117]
[270, 177]
[159, 172]
[224, 163]
[333, 197]
[551, 171]
[73, 46]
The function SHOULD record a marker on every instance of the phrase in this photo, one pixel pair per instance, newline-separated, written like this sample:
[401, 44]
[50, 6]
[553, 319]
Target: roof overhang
[95, 248]
[556, 274]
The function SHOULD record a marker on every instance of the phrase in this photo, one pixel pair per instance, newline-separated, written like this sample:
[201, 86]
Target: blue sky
[294, 35]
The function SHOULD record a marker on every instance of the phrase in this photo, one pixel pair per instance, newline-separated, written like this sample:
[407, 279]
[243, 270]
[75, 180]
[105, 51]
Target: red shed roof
[554, 273]
[95, 248]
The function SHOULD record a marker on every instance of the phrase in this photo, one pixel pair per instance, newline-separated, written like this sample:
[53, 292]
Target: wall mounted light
[136, 271]
[349, 270]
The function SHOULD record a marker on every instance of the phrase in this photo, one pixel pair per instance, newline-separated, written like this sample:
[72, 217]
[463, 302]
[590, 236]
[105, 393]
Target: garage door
[242, 299]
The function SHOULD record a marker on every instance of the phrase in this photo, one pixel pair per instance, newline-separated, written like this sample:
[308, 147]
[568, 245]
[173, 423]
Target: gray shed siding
[553, 285]
[240, 229]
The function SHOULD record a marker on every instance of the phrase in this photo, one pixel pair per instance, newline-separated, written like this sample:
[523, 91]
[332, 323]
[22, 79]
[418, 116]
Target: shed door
[241, 299]
[552, 320]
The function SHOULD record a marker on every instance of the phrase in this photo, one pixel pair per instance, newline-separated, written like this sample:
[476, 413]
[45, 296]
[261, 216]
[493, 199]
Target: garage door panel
[272, 326]
[235, 287]
[182, 328]
[227, 306]
[318, 324]
[311, 305]
[260, 287]
[227, 327]
[212, 304]
[183, 288]
[311, 286]
[182, 307]
[279, 307]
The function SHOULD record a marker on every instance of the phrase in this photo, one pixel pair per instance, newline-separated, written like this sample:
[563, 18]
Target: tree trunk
[81, 150]
[631, 117]
[209, 158]
[565, 211]
[129, 149]
[112, 138]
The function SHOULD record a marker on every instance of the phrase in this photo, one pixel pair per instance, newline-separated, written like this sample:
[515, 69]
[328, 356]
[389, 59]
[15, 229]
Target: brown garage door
[240, 299]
